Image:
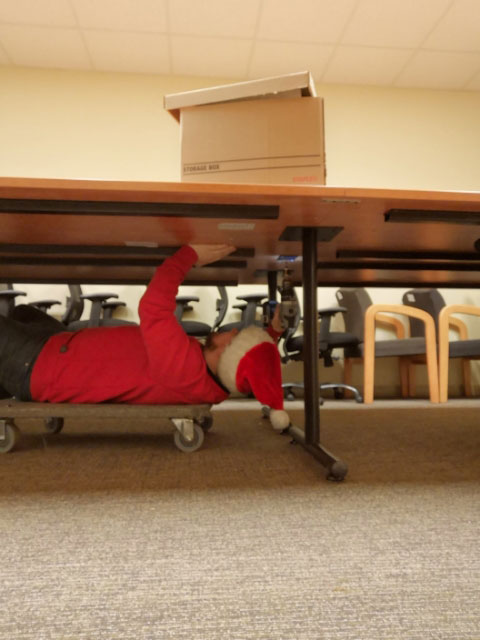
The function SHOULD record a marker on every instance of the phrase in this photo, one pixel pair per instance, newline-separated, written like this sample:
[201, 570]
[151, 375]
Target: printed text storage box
[238, 133]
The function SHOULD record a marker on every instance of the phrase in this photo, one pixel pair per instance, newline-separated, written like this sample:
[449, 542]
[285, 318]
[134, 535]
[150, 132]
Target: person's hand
[276, 322]
[211, 252]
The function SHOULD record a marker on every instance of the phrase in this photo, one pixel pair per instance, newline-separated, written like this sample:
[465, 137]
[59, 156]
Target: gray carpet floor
[109, 532]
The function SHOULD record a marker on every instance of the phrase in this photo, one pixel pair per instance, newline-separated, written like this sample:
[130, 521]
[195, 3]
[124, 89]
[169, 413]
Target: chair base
[338, 388]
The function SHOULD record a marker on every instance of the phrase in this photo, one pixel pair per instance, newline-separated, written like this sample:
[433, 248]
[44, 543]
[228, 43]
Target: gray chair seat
[336, 340]
[196, 329]
[391, 348]
[464, 348]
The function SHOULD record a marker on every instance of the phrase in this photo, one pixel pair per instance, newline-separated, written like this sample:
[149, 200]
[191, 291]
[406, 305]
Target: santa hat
[251, 364]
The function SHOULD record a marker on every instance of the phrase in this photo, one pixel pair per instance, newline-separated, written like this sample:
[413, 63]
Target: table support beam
[310, 439]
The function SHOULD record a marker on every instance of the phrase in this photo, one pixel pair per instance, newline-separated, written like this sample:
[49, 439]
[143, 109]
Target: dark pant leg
[20, 344]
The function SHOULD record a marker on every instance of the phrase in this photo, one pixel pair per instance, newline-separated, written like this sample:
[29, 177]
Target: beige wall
[113, 126]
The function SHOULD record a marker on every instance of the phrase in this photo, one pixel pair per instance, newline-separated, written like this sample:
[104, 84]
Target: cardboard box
[238, 133]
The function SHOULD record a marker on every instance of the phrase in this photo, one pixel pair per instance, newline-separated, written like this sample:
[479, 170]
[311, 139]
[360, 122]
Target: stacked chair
[431, 301]
[361, 319]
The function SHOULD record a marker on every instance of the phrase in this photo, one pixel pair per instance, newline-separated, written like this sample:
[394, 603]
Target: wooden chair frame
[385, 322]
[445, 322]
[455, 324]
[369, 347]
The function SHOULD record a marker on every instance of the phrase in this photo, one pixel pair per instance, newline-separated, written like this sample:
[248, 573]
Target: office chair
[432, 301]
[362, 318]
[8, 297]
[465, 348]
[97, 318]
[248, 307]
[328, 340]
[201, 329]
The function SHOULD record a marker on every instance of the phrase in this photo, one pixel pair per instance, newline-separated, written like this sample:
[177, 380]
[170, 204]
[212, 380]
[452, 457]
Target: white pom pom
[279, 419]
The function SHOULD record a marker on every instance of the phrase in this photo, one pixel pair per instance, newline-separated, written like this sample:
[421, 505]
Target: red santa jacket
[154, 363]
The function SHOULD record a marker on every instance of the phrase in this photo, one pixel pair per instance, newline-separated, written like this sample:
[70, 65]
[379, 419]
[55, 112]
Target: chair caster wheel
[187, 444]
[206, 423]
[9, 435]
[54, 425]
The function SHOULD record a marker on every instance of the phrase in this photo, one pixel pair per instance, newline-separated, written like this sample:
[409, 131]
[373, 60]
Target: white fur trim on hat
[245, 340]
[279, 419]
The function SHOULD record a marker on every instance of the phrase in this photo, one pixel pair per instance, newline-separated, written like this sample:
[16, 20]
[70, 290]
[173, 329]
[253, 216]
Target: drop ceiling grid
[404, 43]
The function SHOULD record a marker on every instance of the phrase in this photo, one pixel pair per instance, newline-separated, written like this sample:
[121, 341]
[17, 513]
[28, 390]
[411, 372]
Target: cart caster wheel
[9, 436]
[206, 423]
[188, 446]
[54, 425]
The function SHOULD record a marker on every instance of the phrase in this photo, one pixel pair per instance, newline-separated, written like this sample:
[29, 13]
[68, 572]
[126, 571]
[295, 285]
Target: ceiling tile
[44, 47]
[130, 52]
[276, 58]
[304, 20]
[439, 70]
[234, 18]
[390, 23]
[366, 65]
[210, 56]
[53, 13]
[459, 29]
[126, 15]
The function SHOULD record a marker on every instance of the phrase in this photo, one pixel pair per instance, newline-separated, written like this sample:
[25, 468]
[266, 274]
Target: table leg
[310, 439]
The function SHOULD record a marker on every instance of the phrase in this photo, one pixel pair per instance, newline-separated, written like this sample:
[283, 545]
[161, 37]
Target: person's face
[223, 339]
[219, 342]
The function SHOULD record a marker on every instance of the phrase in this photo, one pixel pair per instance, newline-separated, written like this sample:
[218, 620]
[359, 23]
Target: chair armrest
[44, 305]
[113, 304]
[445, 319]
[182, 305]
[94, 297]
[389, 322]
[458, 325]
[109, 307]
[373, 310]
[326, 316]
[187, 299]
[11, 293]
[97, 299]
[253, 297]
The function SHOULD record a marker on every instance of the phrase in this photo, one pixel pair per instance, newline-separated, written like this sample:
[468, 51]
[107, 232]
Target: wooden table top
[116, 232]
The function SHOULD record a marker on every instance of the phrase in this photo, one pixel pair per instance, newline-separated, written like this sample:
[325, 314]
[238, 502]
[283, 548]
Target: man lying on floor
[155, 362]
